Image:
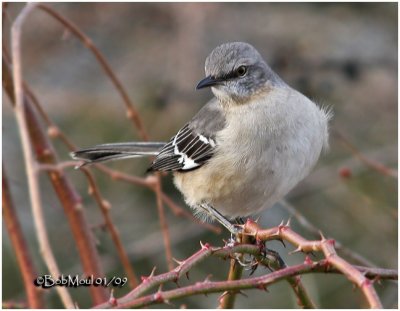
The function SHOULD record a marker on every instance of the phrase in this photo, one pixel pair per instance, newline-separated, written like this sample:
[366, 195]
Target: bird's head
[236, 71]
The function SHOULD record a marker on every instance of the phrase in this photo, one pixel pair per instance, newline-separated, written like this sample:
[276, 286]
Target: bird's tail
[116, 151]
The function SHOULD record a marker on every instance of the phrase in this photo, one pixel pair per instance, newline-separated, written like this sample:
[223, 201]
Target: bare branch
[105, 207]
[379, 167]
[30, 162]
[156, 181]
[25, 264]
[68, 197]
[131, 113]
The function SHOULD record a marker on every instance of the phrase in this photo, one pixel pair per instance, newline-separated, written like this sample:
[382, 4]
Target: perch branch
[136, 297]
[326, 247]
[306, 224]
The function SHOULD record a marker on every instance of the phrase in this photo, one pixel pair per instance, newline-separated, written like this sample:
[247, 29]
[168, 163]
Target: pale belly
[242, 188]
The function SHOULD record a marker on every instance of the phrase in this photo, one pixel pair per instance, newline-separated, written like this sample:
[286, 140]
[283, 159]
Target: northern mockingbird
[245, 149]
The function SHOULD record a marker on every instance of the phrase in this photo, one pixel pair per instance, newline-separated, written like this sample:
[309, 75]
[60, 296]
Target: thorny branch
[137, 298]
[306, 224]
[327, 247]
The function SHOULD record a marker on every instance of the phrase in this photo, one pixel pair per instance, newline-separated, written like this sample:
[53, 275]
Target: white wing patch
[183, 159]
[186, 151]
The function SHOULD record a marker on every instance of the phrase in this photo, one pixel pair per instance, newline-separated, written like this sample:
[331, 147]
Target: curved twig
[30, 162]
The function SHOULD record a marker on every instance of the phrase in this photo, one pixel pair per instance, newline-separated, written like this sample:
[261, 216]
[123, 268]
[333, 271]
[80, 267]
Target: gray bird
[245, 149]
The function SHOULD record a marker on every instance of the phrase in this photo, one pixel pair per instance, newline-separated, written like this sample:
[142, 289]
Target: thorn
[146, 278]
[366, 282]
[281, 224]
[257, 219]
[377, 279]
[178, 261]
[332, 242]
[242, 293]
[166, 301]
[322, 236]
[253, 269]
[327, 265]
[208, 278]
[263, 287]
[288, 222]
[158, 297]
[308, 260]
[152, 272]
[112, 300]
[297, 250]
[205, 246]
[282, 242]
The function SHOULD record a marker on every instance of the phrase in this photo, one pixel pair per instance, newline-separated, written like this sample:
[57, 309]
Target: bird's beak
[209, 81]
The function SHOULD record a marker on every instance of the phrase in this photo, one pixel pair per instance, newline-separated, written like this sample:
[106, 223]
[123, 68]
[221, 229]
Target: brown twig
[215, 287]
[306, 224]
[25, 264]
[54, 132]
[30, 162]
[326, 247]
[144, 182]
[131, 113]
[69, 199]
[105, 207]
[163, 221]
[227, 300]
[379, 167]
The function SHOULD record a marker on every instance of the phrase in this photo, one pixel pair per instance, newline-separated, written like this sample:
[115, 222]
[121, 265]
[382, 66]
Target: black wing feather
[186, 151]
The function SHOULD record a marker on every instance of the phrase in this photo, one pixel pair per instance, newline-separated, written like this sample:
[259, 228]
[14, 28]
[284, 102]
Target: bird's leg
[221, 219]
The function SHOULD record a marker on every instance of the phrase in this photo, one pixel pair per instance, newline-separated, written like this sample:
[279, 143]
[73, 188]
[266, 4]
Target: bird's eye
[241, 71]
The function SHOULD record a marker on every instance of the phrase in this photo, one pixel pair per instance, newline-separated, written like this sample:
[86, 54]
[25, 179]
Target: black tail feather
[117, 151]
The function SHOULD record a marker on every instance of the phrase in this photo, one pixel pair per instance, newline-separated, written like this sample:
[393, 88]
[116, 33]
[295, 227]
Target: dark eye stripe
[233, 74]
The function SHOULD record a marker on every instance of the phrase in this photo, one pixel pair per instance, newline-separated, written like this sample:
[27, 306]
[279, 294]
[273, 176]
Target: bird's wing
[194, 144]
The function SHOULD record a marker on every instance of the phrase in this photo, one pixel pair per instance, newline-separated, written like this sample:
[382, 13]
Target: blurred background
[340, 55]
